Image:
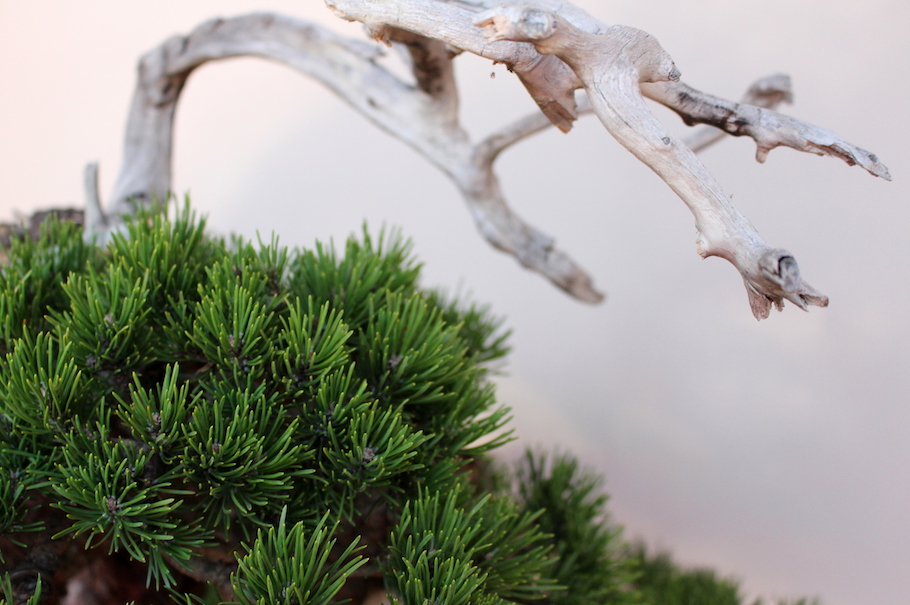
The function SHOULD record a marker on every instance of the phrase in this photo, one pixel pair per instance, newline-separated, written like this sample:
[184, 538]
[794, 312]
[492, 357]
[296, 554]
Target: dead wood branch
[555, 49]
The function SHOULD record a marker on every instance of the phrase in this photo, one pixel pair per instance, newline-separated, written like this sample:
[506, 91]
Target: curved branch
[549, 81]
[423, 116]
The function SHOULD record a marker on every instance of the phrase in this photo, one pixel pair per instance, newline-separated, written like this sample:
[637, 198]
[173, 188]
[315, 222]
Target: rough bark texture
[555, 49]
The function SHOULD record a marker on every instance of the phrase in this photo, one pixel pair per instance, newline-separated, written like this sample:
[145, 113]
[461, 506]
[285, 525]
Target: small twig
[768, 128]
[768, 92]
[95, 220]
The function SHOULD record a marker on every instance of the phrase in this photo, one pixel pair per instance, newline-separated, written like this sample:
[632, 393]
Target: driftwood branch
[555, 49]
[423, 116]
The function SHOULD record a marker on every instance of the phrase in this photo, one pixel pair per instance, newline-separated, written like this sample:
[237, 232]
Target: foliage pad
[189, 419]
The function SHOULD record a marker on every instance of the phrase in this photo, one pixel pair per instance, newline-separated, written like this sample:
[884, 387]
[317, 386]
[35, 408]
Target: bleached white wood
[767, 92]
[95, 221]
[554, 48]
[423, 116]
[768, 128]
[615, 65]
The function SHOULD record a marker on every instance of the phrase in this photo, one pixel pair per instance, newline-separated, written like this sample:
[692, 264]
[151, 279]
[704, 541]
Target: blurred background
[776, 452]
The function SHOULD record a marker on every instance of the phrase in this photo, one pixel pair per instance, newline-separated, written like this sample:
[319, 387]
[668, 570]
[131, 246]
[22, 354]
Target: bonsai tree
[191, 418]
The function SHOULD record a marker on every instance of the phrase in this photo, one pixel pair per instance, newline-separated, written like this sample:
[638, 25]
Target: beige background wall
[776, 451]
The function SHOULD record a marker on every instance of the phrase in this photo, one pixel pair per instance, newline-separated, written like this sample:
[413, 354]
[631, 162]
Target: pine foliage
[176, 397]
[590, 561]
[197, 419]
[660, 580]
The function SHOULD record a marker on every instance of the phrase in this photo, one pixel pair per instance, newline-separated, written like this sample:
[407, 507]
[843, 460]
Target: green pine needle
[288, 565]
